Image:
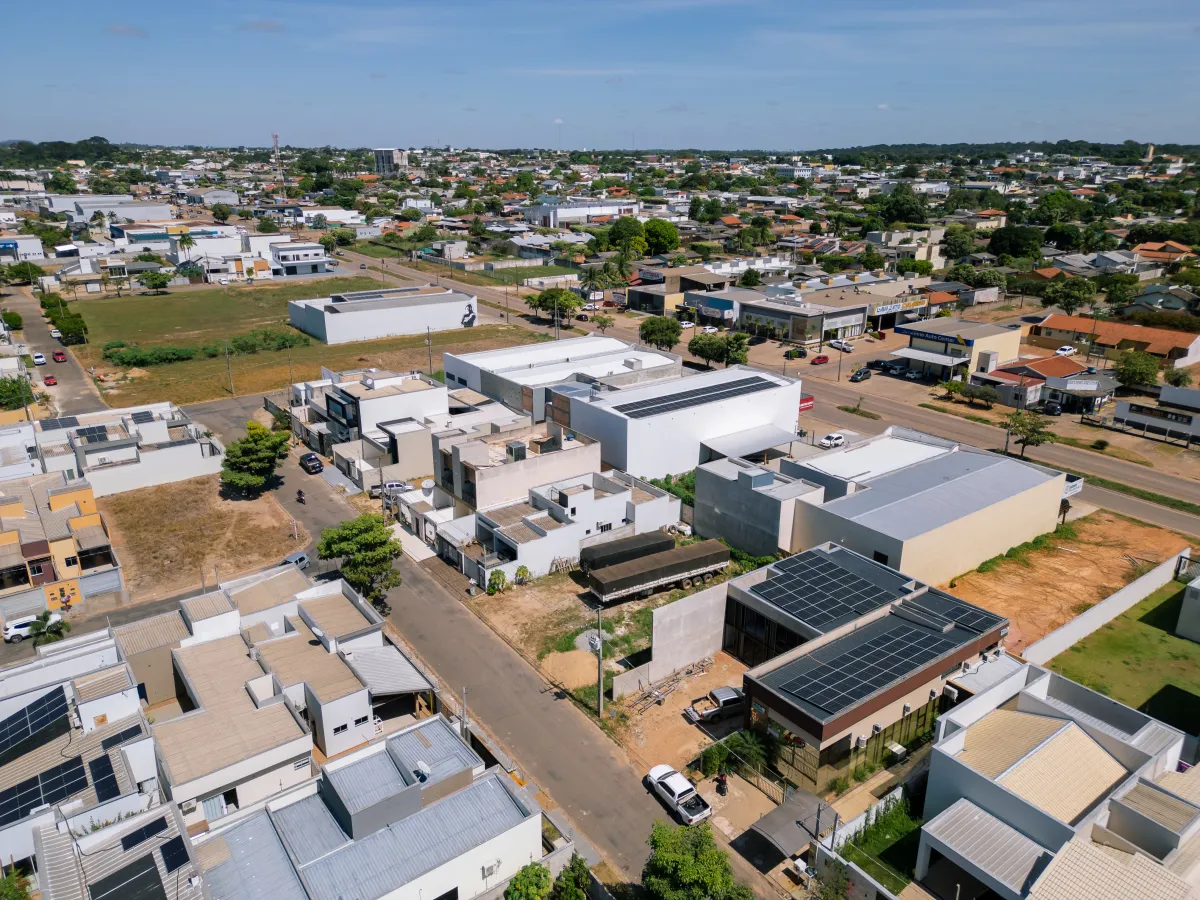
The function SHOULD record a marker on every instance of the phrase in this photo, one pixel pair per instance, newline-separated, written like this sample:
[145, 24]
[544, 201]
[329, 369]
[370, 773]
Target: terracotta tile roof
[990, 212]
[1055, 366]
[1051, 272]
[936, 297]
[1157, 340]
[731, 221]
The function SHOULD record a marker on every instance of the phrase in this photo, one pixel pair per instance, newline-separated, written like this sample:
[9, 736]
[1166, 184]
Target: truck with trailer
[641, 577]
[609, 553]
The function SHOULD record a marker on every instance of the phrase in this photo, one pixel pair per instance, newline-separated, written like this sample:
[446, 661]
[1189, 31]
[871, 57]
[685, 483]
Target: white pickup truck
[679, 794]
[719, 703]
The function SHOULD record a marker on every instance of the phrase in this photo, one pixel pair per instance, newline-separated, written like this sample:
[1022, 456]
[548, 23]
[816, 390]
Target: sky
[608, 74]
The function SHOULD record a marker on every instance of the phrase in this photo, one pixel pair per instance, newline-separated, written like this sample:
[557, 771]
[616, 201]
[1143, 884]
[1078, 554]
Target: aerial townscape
[525, 457]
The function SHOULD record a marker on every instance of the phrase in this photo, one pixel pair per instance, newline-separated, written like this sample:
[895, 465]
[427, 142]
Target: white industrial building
[388, 312]
[548, 530]
[333, 216]
[670, 427]
[20, 247]
[390, 161]
[520, 377]
[577, 212]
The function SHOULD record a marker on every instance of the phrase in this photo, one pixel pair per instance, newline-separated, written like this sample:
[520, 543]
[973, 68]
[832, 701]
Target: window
[603, 528]
[880, 557]
[300, 764]
[35, 569]
[71, 561]
[362, 721]
[340, 729]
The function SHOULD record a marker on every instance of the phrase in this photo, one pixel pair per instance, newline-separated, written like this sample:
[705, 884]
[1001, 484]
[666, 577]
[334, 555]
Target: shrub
[114, 345]
[497, 582]
[12, 319]
[838, 785]
[712, 760]
[1100, 444]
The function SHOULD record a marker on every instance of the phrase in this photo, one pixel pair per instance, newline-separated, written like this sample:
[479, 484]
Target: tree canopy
[708, 347]
[366, 549]
[661, 236]
[532, 882]
[250, 461]
[660, 331]
[1016, 240]
[1134, 367]
[687, 864]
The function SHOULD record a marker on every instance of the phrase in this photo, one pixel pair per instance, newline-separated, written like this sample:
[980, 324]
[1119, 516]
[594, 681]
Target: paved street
[74, 393]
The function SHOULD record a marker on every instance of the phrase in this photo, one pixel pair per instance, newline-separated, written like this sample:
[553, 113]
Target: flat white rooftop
[597, 367]
[701, 381]
[530, 355]
[874, 458]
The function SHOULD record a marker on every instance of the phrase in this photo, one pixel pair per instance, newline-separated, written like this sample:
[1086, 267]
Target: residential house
[1175, 349]
[1164, 251]
[949, 347]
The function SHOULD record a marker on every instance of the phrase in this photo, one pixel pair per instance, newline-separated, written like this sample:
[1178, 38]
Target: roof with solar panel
[659, 398]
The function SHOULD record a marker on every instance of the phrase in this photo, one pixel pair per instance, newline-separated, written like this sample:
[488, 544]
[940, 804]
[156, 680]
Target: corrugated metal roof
[308, 829]
[147, 634]
[214, 603]
[1066, 776]
[405, 850]
[1167, 810]
[91, 536]
[1082, 871]
[998, 849]
[385, 670]
[434, 743]
[258, 867]
[364, 782]
[996, 742]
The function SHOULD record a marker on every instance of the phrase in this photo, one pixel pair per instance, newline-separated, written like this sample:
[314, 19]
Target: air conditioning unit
[194, 882]
[950, 692]
[187, 806]
[907, 708]
[966, 668]
[876, 728]
[490, 869]
[861, 742]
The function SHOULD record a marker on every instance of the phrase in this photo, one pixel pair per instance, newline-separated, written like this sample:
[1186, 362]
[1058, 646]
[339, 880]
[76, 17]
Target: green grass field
[1137, 659]
[196, 317]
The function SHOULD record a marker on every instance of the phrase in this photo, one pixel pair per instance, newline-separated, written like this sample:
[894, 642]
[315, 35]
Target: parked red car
[819, 359]
[60, 356]
[50, 380]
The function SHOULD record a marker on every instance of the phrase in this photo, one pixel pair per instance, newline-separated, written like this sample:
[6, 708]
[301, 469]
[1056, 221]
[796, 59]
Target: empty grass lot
[195, 317]
[1137, 659]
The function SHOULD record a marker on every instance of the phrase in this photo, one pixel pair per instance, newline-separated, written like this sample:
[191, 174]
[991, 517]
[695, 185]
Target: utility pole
[600, 662]
[429, 346]
[466, 732]
[229, 369]
[382, 500]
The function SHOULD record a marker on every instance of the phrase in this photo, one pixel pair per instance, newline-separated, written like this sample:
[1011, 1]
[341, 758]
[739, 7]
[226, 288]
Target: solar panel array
[143, 834]
[52, 786]
[655, 406]
[56, 424]
[174, 854]
[38, 723]
[862, 671]
[93, 434]
[104, 779]
[120, 737]
[137, 881]
[141, 417]
[819, 592]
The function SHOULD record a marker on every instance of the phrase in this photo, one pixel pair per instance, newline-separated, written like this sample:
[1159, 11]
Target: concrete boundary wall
[1041, 652]
[684, 632]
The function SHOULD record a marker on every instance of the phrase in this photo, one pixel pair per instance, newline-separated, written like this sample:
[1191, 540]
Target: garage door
[27, 603]
[100, 583]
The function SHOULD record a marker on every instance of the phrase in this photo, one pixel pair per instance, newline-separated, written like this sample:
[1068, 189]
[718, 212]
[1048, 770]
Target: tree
[910, 171]
[871, 258]
[267, 225]
[1030, 430]
[696, 209]
[61, 183]
[592, 278]
[1179, 378]
[44, 631]
[497, 582]
[328, 241]
[409, 214]
[834, 883]
[964, 272]
[532, 882]
[750, 278]
[903, 205]
[573, 881]
[1069, 294]
[687, 864]
[14, 392]
[24, 273]
[737, 348]
[186, 242]
[661, 236]
[1134, 367]
[1067, 238]
[1016, 240]
[985, 394]
[559, 302]
[367, 549]
[624, 230]
[708, 347]
[661, 332]
[957, 242]
[951, 388]
[522, 574]
[427, 232]
[920, 266]
[1118, 294]
[250, 461]
[320, 221]
[221, 212]
[155, 281]
[603, 323]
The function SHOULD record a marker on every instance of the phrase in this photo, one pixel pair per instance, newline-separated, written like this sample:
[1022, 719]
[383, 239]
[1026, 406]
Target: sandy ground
[1060, 583]
[165, 535]
[739, 809]
[527, 613]
[662, 734]
[571, 670]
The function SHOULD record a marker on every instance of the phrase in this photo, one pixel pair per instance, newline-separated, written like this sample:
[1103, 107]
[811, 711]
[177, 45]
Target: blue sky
[773, 74]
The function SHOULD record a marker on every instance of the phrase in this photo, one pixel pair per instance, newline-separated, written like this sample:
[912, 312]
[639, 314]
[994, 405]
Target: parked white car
[55, 333]
[679, 795]
[684, 323]
[832, 440]
[16, 630]
[709, 329]
[1065, 350]
[844, 346]
[39, 359]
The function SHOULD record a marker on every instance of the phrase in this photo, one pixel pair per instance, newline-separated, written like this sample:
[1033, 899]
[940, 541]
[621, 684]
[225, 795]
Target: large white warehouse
[369, 315]
[670, 427]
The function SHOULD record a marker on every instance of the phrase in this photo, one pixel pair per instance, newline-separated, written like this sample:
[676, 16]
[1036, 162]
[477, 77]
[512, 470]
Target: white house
[370, 315]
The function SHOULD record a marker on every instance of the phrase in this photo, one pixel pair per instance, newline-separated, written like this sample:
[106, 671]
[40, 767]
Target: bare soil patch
[1048, 588]
[165, 536]
[572, 669]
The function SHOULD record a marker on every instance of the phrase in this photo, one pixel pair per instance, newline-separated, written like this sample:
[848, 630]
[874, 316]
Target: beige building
[952, 347]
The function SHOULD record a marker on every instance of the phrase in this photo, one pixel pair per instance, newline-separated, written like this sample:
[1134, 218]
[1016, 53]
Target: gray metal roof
[434, 743]
[385, 670]
[927, 495]
[308, 829]
[258, 867]
[751, 440]
[405, 850]
[998, 849]
[364, 782]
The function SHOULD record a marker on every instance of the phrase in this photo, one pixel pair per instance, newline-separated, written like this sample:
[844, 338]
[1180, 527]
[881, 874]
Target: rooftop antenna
[278, 166]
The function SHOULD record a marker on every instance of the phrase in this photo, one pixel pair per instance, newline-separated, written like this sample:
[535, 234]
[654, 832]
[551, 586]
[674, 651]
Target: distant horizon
[645, 73]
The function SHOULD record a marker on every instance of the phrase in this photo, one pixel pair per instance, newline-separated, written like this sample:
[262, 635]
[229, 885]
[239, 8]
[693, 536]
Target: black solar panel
[951, 609]
[93, 434]
[104, 779]
[142, 417]
[37, 724]
[654, 406]
[51, 786]
[62, 422]
[120, 737]
[137, 881]
[862, 671]
[131, 840]
[174, 854]
[819, 592]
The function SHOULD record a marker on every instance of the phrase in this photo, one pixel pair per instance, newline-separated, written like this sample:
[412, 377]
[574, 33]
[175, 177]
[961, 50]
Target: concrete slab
[413, 545]
[336, 479]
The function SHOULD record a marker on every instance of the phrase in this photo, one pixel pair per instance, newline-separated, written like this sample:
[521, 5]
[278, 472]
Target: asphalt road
[74, 393]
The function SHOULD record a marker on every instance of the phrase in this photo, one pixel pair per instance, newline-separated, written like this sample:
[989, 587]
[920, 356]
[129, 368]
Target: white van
[299, 560]
[16, 630]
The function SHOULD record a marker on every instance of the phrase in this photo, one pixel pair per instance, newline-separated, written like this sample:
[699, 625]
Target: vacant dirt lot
[1050, 587]
[166, 535]
[662, 734]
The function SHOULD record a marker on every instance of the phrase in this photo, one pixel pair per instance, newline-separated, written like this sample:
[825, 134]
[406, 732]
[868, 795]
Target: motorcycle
[300, 497]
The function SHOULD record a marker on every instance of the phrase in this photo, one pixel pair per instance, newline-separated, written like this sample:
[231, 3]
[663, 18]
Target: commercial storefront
[952, 347]
[892, 312]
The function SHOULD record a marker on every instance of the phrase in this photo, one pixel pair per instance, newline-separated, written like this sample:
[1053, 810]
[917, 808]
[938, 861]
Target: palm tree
[186, 242]
[45, 631]
[621, 266]
[592, 278]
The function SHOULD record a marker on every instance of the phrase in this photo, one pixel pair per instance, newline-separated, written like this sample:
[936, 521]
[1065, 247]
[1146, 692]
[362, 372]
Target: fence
[1041, 652]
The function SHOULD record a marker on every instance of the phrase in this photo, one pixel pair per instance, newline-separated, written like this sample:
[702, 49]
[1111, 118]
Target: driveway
[74, 394]
[226, 417]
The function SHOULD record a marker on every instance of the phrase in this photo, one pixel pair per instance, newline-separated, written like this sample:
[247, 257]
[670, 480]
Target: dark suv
[311, 463]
